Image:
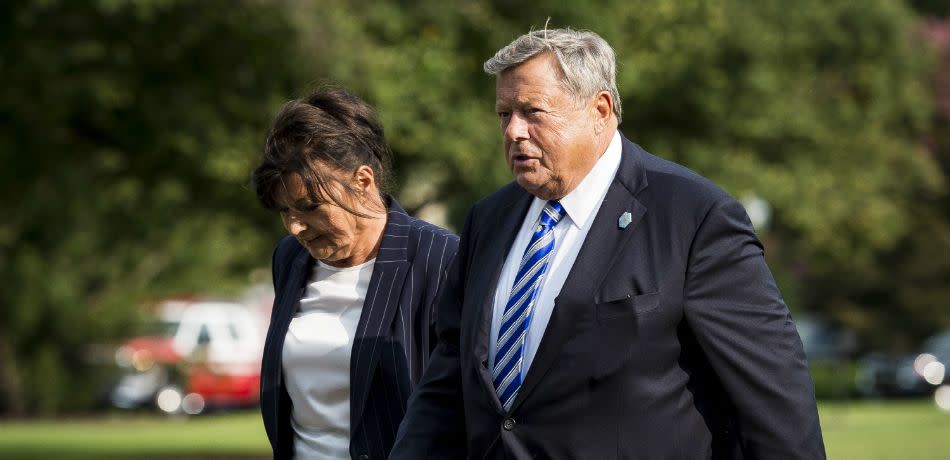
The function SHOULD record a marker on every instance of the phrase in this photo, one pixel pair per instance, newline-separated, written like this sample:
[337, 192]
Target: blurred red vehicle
[207, 355]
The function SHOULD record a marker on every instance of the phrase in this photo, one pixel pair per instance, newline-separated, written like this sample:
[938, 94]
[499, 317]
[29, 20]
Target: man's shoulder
[501, 198]
[493, 208]
[670, 179]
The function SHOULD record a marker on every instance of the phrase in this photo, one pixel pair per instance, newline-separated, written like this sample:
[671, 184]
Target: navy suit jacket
[668, 340]
[393, 338]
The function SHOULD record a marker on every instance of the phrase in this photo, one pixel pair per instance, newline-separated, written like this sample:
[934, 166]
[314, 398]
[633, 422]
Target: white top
[581, 205]
[316, 359]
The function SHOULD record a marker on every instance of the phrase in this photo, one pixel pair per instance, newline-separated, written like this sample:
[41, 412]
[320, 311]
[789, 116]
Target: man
[608, 304]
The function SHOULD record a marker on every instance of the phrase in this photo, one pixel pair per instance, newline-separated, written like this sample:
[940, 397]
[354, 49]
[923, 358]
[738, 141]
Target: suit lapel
[503, 228]
[379, 308]
[604, 243]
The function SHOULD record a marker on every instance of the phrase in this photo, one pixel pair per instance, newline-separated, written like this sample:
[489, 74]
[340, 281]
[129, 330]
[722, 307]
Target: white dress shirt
[316, 359]
[581, 205]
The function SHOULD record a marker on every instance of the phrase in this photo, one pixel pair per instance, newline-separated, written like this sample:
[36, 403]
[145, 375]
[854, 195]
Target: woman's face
[330, 233]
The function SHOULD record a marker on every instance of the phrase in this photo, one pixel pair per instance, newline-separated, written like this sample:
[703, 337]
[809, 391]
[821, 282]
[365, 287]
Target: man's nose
[517, 128]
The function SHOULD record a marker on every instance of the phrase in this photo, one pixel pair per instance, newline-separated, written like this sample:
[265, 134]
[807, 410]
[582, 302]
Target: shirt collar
[581, 202]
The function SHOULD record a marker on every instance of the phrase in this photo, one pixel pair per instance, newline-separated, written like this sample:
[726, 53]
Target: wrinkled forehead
[292, 190]
[301, 188]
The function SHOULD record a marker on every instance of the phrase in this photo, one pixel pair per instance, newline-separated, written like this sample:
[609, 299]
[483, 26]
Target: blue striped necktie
[507, 374]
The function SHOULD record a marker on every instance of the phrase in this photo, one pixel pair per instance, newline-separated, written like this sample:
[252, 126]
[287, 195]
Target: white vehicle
[228, 333]
[208, 355]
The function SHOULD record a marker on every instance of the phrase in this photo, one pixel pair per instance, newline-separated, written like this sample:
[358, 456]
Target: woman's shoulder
[413, 226]
[288, 248]
[427, 240]
[421, 226]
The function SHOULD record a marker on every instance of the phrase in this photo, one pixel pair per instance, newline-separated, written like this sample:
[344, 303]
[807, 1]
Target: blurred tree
[818, 109]
[939, 8]
[907, 294]
[127, 131]
[128, 128]
[419, 63]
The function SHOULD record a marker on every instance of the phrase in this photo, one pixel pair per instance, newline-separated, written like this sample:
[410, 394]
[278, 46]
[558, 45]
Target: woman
[354, 284]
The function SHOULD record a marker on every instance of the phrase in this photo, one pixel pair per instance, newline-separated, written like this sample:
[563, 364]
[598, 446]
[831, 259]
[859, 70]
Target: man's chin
[528, 179]
[541, 190]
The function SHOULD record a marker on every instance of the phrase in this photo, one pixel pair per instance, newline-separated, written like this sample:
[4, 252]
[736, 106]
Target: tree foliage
[125, 133]
[128, 129]
[905, 293]
[820, 109]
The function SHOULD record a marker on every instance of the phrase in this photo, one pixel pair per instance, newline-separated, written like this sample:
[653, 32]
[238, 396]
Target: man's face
[549, 139]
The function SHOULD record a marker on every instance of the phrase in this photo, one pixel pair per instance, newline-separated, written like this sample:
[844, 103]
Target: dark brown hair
[319, 137]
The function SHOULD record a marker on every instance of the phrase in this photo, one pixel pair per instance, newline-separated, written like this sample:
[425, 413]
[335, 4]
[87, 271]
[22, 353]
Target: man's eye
[504, 114]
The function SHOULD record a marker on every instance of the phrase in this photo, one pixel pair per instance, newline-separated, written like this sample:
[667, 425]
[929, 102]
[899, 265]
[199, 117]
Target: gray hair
[587, 61]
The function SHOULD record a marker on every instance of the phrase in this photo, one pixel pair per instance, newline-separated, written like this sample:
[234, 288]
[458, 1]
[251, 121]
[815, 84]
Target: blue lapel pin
[624, 220]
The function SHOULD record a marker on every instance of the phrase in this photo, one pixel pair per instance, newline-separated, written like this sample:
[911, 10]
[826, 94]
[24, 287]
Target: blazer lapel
[604, 243]
[284, 313]
[293, 291]
[379, 308]
[503, 227]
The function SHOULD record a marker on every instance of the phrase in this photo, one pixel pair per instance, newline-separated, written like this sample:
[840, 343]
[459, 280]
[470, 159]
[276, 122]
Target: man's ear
[602, 110]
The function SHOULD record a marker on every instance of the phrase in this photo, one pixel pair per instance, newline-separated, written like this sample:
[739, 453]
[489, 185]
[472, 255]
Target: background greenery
[128, 129]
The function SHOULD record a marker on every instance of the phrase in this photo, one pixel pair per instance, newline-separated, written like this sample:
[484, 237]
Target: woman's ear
[364, 180]
[369, 197]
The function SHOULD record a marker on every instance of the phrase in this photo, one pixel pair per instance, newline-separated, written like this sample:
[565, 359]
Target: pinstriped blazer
[393, 339]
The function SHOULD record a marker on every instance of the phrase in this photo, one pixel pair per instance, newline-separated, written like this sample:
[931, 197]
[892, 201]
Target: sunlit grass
[888, 430]
[239, 435]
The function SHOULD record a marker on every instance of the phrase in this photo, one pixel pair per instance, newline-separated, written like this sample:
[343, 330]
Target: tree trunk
[11, 398]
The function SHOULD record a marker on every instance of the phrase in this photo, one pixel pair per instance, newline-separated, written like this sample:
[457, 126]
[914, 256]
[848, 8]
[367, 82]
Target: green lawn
[886, 430]
[904, 430]
[219, 436]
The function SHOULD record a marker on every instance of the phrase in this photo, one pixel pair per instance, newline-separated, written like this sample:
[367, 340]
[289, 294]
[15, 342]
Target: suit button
[508, 424]
[364, 457]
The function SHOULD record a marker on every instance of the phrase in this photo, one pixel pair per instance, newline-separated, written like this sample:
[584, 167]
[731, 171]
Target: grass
[124, 436]
[904, 430]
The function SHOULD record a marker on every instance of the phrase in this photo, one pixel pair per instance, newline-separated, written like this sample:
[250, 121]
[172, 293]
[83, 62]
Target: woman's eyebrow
[305, 201]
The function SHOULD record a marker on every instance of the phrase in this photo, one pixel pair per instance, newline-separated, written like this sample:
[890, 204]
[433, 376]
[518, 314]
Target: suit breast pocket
[627, 305]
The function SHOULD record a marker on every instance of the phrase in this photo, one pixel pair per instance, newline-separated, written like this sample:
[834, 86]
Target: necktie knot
[552, 214]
